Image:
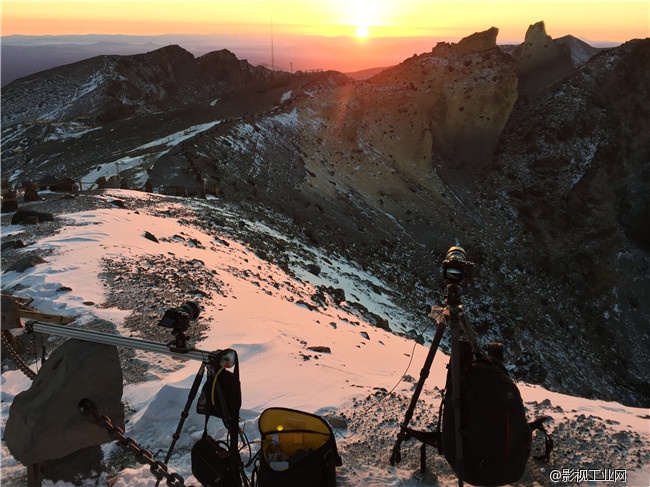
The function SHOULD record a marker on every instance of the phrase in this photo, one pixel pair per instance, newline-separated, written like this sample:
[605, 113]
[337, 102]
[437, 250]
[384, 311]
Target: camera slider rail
[118, 340]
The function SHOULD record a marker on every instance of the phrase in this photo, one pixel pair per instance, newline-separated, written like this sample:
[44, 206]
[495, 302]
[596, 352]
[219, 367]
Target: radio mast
[272, 49]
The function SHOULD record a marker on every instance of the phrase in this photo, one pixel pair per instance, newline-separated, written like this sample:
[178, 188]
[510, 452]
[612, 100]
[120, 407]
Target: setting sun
[362, 31]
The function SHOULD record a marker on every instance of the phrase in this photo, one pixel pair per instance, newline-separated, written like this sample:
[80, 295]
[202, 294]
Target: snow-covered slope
[279, 317]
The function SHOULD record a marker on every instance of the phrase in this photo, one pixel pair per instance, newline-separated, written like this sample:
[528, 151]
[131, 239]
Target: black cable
[379, 400]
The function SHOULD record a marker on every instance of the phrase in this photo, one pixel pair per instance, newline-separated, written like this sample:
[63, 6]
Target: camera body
[178, 319]
[456, 267]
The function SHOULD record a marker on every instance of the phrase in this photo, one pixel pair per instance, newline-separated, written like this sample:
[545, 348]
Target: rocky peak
[172, 53]
[478, 42]
[581, 52]
[470, 100]
[540, 60]
[537, 47]
[221, 56]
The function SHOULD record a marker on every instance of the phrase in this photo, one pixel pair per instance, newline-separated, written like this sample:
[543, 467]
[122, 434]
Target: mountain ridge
[25, 55]
[107, 88]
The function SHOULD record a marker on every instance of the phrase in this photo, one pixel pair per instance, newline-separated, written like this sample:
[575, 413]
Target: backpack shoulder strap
[205, 428]
[538, 424]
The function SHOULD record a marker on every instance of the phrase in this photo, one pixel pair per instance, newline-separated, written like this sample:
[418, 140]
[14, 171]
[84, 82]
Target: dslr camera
[456, 267]
[178, 319]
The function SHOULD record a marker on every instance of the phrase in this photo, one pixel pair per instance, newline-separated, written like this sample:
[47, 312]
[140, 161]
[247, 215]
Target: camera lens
[192, 309]
[456, 253]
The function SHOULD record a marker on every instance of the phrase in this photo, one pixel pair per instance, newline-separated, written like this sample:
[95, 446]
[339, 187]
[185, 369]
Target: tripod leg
[396, 456]
[469, 333]
[190, 399]
[455, 377]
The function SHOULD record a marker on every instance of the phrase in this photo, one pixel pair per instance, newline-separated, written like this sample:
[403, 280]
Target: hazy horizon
[330, 34]
[287, 52]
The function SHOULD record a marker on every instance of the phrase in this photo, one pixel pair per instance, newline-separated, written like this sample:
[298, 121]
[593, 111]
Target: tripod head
[178, 319]
[456, 267]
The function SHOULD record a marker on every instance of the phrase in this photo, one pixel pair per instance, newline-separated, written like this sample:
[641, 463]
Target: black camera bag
[211, 463]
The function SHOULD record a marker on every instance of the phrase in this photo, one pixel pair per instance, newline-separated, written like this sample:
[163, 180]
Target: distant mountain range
[23, 55]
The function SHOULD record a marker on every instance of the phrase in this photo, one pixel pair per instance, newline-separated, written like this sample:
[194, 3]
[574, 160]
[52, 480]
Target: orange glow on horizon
[594, 20]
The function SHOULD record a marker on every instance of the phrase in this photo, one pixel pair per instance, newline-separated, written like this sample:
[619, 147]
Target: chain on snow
[24, 368]
[144, 456]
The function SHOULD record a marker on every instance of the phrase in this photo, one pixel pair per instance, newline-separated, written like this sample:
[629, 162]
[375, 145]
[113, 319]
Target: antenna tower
[272, 49]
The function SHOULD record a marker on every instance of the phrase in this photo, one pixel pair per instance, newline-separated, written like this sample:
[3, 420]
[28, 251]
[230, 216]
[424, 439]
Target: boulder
[25, 263]
[31, 192]
[64, 184]
[45, 422]
[31, 216]
[12, 244]
[9, 205]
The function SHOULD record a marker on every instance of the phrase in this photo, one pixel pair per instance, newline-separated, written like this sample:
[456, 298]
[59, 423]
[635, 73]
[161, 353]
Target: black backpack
[496, 435]
[298, 450]
[221, 393]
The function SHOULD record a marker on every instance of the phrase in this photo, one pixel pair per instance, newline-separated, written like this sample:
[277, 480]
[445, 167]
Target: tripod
[185, 413]
[215, 362]
[453, 317]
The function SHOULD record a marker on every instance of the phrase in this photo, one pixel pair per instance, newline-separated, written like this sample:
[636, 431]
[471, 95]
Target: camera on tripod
[456, 267]
[178, 319]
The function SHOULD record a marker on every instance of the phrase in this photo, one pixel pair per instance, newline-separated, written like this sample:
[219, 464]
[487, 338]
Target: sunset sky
[360, 20]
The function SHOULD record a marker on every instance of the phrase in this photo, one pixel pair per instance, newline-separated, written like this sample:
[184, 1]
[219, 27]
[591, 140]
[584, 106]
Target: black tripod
[215, 361]
[455, 267]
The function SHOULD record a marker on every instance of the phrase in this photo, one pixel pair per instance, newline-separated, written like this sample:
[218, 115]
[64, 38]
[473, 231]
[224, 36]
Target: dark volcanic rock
[25, 263]
[570, 189]
[31, 216]
[9, 205]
